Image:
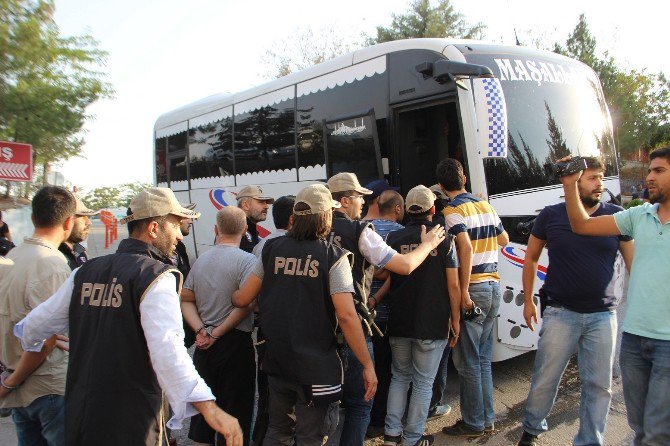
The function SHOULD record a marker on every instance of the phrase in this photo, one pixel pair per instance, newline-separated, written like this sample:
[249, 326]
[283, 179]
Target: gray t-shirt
[340, 279]
[214, 277]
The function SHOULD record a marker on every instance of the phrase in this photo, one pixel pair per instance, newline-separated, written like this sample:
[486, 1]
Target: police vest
[419, 303]
[297, 315]
[112, 394]
[345, 234]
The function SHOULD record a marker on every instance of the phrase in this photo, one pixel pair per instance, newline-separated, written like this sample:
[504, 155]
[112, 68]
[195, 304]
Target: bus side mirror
[491, 115]
[444, 71]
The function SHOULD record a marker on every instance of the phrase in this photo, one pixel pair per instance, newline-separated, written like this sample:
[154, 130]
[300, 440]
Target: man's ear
[152, 229]
[290, 222]
[68, 223]
[432, 210]
[216, 231]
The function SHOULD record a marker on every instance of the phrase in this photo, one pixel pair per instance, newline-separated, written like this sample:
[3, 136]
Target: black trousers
[229, 369]
[383, 360]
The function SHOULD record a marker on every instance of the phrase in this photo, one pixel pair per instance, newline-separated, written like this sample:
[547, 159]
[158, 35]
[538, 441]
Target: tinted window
[352, 147]
[555, 107]
[177, 161]
[211, 150]
[314, 108]
[161, 161]
[265, 138]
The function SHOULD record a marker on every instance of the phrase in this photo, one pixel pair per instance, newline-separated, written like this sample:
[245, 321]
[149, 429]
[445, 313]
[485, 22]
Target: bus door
[424, 135]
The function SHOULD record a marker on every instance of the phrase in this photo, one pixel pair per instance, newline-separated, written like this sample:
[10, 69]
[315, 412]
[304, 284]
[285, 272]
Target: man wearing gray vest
[126, 337]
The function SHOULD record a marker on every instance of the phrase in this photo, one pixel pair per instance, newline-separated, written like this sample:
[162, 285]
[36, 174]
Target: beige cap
[438, 191]
[155, 202]
[419, 199]
[255, 192]
[189, 206]
[345, 181]
[83, 210]
[317, 197]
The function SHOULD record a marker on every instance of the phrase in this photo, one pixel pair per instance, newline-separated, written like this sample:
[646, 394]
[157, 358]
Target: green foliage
[113, 197]
[46, 81]
[425, 20]
[634, 202]
[639, 102]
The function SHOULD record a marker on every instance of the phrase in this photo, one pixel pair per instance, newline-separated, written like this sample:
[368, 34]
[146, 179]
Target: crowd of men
[343, 314]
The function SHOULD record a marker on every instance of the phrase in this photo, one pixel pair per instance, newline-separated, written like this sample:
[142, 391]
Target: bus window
[177, 165]
[353, 146]
[161, 165]
[211, 150]
[265, 139]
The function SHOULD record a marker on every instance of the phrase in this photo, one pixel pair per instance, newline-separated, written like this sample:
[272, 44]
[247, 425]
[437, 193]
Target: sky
[166, 53]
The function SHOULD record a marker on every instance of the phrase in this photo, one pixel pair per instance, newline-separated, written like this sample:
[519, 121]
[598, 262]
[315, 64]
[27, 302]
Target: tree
[46, 81]
[113, 197]
[305, 48]
[424, 20]
[639, 102]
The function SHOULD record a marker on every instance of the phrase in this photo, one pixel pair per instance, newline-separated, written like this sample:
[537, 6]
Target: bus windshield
[555, 107]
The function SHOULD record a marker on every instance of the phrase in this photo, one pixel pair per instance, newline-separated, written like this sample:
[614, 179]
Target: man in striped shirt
[479, 235]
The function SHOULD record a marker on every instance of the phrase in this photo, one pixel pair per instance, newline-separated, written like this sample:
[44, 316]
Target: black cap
[379, 186]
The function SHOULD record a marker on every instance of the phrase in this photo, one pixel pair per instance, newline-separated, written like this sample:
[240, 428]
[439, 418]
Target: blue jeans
[415, 361]
[357, 410]
[42, 423]
[593, 337]
[645, 373]
[472, 357]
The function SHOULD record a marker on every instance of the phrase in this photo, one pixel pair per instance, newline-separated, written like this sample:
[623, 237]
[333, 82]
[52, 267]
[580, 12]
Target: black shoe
[392, 440]
[425, 440]
[460, 429]
[527, 439]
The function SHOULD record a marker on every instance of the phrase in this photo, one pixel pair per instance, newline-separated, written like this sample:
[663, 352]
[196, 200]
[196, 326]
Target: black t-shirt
[4, 229]
[250, 238]
[581, 267]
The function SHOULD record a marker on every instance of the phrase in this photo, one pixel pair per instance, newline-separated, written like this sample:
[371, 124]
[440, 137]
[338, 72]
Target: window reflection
[211, 150]
[177, 153]
[161, 161]
[351, 148]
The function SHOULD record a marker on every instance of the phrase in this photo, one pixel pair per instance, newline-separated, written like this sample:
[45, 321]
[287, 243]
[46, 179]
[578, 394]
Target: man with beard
[645, 344]
[181, 261]
[579, 311]
[72, 249]
[255, 204]
[126, 338]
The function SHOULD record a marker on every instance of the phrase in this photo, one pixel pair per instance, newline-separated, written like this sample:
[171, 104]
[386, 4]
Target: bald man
[224, 356]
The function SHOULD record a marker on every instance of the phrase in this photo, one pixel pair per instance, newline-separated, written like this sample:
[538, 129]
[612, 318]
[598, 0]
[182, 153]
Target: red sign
[16, 161]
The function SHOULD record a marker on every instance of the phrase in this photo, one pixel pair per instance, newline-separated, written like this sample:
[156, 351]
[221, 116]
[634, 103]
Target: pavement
[511, 381]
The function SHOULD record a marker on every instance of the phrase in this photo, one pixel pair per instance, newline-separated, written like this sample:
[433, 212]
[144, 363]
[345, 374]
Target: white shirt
[162, 324]
[374, 248]
[258, 249]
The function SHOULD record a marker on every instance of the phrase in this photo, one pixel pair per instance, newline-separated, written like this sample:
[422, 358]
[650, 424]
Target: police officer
[126, 337]
[369, 251]
[418, 325]
[306, 287]
[72, 249]
[255, 204]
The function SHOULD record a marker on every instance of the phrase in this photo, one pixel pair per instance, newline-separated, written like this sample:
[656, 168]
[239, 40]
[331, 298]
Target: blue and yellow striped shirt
[476, 216]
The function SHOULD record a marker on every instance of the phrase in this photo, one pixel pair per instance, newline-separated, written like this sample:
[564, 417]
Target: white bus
[393, 111]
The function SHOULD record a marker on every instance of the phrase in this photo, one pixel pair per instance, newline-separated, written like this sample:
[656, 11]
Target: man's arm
[248, 292]
[454, 290]
[627, 249]
[381, 293]
[353, 333]
[28, 363]
[221, 422]
[581, 223]
[464, 251]
[189, 310]
[404, 264]
[503, 238]
[533, 252]
[234, 318]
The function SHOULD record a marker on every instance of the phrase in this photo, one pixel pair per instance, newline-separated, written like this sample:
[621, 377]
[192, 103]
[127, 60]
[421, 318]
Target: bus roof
[218, 101]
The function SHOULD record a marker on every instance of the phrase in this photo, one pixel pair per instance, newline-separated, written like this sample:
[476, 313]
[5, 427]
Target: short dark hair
[388, 200]
[282, 209]
[661, 152]
[52, 205]
[136, 227]
[418, 215]
[338, 196]
[450, 174]
[593, 162]
[310, 226]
